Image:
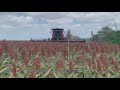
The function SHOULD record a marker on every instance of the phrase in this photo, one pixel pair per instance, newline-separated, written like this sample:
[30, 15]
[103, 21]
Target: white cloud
[46, 15]
[21, 19]
[80, 23]
[60, 21]
[4, 26]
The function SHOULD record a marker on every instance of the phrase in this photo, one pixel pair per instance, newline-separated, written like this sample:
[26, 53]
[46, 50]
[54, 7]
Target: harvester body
[57, 36]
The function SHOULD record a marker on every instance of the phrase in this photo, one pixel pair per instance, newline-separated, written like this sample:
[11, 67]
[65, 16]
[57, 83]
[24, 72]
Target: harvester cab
[57, 34]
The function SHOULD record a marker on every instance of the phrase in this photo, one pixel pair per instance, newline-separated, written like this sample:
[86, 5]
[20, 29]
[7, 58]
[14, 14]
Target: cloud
[9, 21]
[46, 15]
[4, 26]
[39, 24]
[20, 20]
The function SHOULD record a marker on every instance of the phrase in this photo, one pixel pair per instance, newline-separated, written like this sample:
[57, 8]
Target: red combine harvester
[58, 36]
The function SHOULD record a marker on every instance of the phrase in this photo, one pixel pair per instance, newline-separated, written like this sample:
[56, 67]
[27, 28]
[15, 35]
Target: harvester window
[58, 34]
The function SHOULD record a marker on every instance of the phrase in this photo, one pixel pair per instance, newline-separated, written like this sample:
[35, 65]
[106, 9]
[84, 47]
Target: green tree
[104, 35]
[95, 38]
[115, 37]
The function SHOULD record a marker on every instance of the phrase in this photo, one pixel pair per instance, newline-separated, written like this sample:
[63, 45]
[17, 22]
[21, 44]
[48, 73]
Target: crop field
[24, 59]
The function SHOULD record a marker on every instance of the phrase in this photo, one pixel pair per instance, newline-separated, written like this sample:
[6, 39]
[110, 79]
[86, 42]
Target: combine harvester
[57, 36]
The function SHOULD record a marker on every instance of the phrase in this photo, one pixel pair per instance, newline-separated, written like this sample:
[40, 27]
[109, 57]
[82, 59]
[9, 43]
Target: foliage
[24, 59]
[106, 34]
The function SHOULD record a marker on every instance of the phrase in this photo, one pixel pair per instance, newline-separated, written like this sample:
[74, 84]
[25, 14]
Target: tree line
[107, 34]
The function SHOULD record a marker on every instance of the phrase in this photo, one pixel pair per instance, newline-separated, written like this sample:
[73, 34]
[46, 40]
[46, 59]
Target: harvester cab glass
[57, 34]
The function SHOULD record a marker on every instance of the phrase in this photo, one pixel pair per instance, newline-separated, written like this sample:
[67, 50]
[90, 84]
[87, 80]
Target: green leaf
[3, 70]
[19, 75]
[55, 75]
[46, 74]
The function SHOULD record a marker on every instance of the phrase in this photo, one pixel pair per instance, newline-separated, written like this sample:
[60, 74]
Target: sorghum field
[24, 59]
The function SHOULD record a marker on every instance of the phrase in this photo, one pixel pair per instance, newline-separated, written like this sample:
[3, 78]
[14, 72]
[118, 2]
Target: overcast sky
[24, 25]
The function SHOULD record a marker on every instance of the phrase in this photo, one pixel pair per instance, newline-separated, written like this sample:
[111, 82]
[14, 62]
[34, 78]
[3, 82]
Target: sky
[38, 25]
